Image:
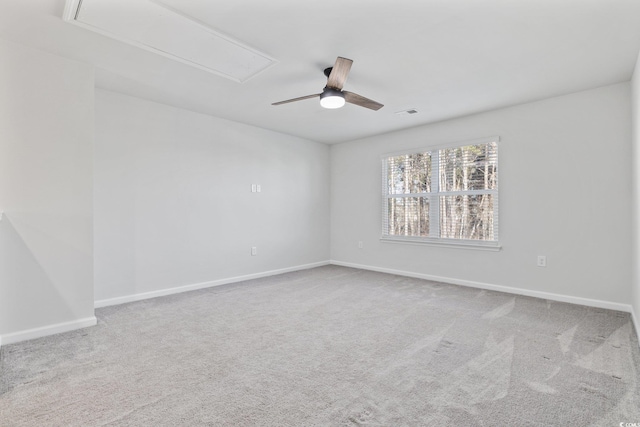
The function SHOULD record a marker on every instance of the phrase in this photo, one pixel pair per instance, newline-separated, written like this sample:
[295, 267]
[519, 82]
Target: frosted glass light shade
[331, 98]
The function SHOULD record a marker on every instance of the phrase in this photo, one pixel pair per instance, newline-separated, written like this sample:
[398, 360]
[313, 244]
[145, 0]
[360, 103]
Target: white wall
[564, 192]
[173, 200]
[635, 159]
[46, 175]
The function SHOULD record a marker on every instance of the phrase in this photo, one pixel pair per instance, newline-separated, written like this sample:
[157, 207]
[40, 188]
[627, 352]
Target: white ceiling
[445, 58]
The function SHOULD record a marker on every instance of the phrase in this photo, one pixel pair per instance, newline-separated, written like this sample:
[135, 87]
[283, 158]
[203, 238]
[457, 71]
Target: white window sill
[448, 243]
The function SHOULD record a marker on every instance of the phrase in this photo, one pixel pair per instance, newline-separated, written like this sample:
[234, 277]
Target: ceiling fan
[332, 95]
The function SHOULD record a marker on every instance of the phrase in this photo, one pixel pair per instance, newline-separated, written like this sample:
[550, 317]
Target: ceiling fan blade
[296, 99]
[356, 99]
[339, 73]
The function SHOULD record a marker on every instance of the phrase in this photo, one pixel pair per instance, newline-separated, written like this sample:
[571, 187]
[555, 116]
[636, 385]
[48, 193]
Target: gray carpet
[331, 346]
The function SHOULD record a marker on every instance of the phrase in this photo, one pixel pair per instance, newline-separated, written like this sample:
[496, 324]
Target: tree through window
[444, 194]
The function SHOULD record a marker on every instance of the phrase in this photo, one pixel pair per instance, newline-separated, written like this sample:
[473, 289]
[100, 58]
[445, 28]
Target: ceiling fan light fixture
[331, 98]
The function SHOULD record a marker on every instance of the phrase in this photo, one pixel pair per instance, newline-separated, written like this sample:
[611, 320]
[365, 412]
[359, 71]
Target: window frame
[434, 200]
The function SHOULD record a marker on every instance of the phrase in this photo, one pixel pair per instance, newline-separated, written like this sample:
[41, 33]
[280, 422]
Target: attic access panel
[156, 27]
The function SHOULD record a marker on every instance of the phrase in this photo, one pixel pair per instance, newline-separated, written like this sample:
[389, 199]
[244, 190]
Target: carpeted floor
[331, 346]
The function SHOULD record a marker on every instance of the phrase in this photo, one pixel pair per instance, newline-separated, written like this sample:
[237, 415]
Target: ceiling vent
[407, 112]
[156, 27]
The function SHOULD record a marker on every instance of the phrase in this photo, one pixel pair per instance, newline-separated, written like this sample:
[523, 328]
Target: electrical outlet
[254, 251]
[253, 188]
[542, 261]
[360, 245]
[258, 188]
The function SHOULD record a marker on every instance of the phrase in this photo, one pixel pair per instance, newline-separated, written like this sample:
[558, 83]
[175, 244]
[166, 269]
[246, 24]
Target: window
[447, 194]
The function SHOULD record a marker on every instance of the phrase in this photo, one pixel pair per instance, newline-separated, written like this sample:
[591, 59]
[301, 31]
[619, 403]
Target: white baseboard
[635, 320]
[203, 285]
[44, 331]
[510, 290]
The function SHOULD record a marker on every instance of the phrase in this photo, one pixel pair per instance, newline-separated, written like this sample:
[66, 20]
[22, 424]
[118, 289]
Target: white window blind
[442, 194]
